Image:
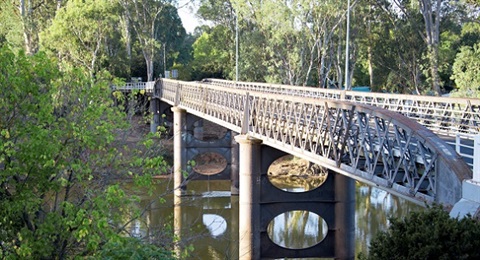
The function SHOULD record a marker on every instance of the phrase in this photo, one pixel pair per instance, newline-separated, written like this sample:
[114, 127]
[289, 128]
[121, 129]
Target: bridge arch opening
[297, 229]
[293, 174]
[209, 163]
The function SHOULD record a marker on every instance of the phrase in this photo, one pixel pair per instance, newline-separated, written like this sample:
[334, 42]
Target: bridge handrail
[129, 86]
[458, 115]
[355, 139]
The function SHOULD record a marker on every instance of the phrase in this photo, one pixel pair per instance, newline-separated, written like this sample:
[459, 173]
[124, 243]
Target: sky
[186, 11]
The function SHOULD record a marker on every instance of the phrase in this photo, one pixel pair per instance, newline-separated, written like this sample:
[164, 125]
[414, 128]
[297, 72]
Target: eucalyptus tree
[10, 26]
[82, 31]
[292, 45]
[282, 41]
[214, 48]
[370, 24]
[170, 33]
[142, 16]
[322, 24]
[33, 16]
[432, 15]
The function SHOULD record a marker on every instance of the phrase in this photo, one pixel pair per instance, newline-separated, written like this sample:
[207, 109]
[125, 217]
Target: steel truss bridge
[386, 140]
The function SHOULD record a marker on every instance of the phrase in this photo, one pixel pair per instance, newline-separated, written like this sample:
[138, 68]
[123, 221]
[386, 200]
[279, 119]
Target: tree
[431, 11]
[429, 234]
[57, 155]
[210, 59]
[10, 31]
[466, 72]
[170, 32]
[34, 16]
[82, 31]
[143, 17]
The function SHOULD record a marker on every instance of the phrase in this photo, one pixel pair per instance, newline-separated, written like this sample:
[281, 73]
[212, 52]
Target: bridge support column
[344, 216]
[179, 156]
[234, 177]
[234, 211]
[155, 110]
[177, 225]
[249, 199]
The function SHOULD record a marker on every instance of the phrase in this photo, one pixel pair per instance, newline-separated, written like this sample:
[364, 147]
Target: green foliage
[81, 30]
[466, 72]
[10, 26]
[131, 248]
[211, 59]
[57, 152]
[430, 234]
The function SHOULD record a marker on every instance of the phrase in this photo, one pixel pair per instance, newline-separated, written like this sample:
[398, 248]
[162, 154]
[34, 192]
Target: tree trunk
[370, 53]
[370, 65]
[339, 63]
[128, 37]
[432, 37]
[30, 34]
[149, 62]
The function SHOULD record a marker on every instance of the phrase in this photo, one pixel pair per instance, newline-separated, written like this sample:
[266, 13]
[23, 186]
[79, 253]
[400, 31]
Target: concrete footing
[470, 202]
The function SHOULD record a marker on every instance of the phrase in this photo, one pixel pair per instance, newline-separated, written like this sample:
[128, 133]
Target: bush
[430, 234]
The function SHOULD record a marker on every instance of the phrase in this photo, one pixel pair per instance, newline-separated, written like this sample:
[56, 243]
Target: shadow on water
[206, 219]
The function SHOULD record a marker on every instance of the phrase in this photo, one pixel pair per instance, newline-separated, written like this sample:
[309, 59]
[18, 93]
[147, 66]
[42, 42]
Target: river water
[206, 219]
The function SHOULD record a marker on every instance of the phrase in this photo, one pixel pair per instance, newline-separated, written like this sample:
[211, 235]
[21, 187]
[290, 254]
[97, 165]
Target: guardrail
[449, 117]
[443, 115]
[465, 148]
[129, 86]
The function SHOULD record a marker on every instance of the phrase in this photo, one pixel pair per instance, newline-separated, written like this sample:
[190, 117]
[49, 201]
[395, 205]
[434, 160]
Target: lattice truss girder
[374, 146]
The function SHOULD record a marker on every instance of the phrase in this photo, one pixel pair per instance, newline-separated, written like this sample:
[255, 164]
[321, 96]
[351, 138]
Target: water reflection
[294, 174]
[207, 220]
[215, 224]
[373, 209]
[297, 229]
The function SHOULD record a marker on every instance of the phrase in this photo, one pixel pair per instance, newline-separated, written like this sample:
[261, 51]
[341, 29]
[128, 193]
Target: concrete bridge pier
[234, 174]
[344, 216]
[155, 110]
[333, 201]
[178, 225]
[249, 199]
[260, 202]
[179, 151]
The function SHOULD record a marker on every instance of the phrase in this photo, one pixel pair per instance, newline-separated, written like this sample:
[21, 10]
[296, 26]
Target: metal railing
[447, 117]
[367, 143]
[147, 86]
[442, 115]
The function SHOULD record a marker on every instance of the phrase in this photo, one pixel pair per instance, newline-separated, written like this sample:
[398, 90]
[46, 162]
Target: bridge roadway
[336, 130]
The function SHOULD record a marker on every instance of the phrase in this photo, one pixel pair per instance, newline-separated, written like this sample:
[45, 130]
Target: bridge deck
[367, 143]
